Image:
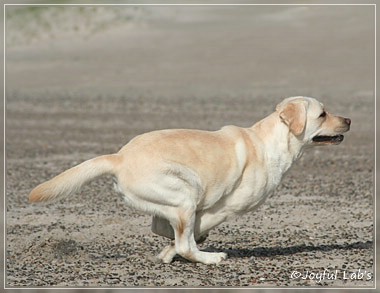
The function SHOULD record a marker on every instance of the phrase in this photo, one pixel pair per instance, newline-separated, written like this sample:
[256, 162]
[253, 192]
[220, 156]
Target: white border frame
[168, 288]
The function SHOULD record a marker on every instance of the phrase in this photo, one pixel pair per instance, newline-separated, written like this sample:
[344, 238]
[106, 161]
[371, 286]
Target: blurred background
[191, 50]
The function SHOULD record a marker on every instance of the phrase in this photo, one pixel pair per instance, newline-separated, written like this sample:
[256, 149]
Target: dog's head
[310, 123]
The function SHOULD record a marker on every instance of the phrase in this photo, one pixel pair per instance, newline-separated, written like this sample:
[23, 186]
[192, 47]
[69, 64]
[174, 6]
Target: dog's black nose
[348, 121]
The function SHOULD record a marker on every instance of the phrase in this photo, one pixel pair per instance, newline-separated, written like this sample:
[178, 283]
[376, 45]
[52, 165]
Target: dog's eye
[323, 114]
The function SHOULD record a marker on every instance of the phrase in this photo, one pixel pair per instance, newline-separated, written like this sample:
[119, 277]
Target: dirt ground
[83, 81]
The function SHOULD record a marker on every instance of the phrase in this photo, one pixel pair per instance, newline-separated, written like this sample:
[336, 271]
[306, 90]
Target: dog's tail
[72, 179]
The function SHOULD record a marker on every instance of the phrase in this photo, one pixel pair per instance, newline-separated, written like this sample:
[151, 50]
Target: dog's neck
[276, 135]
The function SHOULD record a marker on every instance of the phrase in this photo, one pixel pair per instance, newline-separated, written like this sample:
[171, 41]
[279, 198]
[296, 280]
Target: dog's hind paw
[207, 258]
[215, 257]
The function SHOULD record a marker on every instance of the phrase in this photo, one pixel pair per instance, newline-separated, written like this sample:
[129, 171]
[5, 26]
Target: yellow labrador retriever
[193, 180]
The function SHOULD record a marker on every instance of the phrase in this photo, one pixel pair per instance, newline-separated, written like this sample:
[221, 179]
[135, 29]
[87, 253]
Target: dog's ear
[293, 115]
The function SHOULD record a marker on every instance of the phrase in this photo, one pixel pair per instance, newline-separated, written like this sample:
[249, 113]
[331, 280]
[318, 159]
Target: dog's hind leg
[185, 244]
[204, 222]
[161, 226]
[168, 253]
[173, 196]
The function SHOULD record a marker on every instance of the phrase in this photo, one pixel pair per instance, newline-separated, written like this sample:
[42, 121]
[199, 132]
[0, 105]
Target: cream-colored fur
[193, 180]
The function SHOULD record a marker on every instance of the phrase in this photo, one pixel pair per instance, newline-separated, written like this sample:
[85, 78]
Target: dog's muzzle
[333, 139]
[336, 139]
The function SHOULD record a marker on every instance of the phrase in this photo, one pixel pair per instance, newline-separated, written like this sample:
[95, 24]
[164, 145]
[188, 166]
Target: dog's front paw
[167, 254]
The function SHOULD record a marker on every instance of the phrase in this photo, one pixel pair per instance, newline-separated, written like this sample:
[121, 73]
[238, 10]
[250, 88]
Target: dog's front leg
[168, 253]
[207, 220]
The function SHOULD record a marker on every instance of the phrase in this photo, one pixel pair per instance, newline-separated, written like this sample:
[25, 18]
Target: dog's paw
[167, 254]
[213, 257]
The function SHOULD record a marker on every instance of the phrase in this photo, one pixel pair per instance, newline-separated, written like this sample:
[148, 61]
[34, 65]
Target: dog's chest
[117, 187]
[277, 164]
[257, 184]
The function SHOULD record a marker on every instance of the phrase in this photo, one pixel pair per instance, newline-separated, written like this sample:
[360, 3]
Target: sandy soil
[84, 81]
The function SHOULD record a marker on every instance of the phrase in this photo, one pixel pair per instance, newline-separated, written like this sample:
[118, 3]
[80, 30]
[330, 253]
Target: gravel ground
[72, 98]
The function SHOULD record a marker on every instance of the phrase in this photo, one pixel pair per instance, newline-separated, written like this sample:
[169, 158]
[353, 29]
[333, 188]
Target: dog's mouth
[325, 139]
